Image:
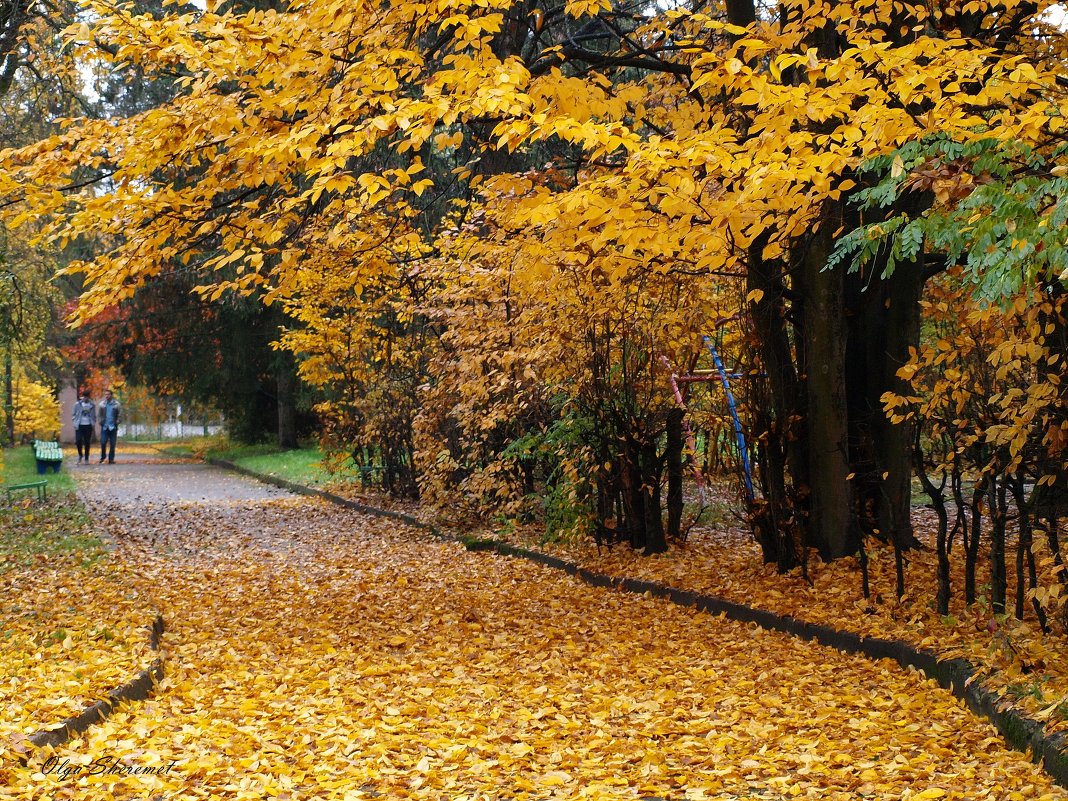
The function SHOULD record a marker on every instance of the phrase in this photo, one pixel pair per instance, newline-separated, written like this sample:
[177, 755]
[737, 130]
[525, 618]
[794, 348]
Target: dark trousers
[107, 443]
[83, 438]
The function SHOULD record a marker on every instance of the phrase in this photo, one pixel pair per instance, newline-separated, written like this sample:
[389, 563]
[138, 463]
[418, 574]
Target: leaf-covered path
[316, 653]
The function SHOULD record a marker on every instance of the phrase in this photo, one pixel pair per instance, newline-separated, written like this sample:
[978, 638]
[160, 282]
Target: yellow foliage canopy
[36, 410]
[284, 116]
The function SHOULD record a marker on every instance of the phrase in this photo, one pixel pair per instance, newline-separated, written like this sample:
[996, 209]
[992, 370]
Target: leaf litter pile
[314, 653]
[57, 652]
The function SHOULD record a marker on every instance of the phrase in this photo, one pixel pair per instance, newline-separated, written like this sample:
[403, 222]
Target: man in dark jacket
[108, 415]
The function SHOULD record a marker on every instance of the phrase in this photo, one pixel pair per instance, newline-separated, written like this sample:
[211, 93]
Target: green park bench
[369, 473]
[48, 455]
[41, 487]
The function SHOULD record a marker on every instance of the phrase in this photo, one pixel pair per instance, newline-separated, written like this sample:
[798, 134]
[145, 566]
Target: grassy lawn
[303, 465]
[20, 467]
[30, 528]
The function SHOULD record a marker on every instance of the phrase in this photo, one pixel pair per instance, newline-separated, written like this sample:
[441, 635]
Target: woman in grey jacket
[83, 418]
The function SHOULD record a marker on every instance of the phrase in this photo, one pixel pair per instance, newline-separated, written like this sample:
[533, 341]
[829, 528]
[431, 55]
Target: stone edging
[136, 689]
[956, 675]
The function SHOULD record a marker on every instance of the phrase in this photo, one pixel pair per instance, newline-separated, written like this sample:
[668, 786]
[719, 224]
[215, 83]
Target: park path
[316, 653]
[144, 476]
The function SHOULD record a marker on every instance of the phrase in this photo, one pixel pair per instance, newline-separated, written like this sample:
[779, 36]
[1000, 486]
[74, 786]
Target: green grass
[20, 467]
[302, 465]
[30, 529]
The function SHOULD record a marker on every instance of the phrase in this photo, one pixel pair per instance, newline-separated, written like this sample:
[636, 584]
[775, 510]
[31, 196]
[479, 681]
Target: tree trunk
[632, 518]
[829, 526]
[779, 421]
[287, 409]
[938, 501]
[675, 442]
[9, 395]
[653, 523]
[884, 322]
[971, 545]
[893, 441]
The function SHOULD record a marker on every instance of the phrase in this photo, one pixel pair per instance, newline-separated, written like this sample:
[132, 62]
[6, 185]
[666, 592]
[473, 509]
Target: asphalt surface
[140, 477]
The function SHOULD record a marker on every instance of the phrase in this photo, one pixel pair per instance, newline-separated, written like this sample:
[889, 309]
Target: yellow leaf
[555, 778]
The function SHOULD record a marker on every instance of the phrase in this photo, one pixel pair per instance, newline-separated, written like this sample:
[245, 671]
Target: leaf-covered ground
[316, 653]
[1027, 667]
[60, 650]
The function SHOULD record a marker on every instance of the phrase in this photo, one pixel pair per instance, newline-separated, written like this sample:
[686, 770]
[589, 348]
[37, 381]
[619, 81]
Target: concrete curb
[956, 675]
[301, 489]
[136, 689]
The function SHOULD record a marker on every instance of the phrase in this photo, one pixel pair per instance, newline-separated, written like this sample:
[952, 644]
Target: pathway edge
[136, 689]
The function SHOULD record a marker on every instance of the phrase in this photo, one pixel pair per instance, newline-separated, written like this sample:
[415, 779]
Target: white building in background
[174, 429]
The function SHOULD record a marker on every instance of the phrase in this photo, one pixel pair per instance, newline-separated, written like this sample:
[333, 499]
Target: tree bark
[675, 441]
[884, 323]
[653, 523]
[9, 395]
[998, 520]
[830, 524]
[13, 15]
[286, 381]
[780, 421]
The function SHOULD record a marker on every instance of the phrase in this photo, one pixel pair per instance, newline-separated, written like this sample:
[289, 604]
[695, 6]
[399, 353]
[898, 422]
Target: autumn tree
[35, 85]
[30, 307]
[988, 385]
[622, 169]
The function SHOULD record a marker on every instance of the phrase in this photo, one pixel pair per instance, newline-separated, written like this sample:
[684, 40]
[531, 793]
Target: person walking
[84, 417]
[108, 415]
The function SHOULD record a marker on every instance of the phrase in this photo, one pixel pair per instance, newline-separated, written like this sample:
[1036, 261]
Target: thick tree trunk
[893, 441]
[741, 12]
[830, 522]
[884, 322]
[780, 420]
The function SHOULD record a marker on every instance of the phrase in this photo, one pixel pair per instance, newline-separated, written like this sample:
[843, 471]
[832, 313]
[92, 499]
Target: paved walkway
[137, 478]
[315, 653]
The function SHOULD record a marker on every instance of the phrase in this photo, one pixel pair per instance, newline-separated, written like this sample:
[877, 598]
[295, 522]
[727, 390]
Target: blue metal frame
[738, 433]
